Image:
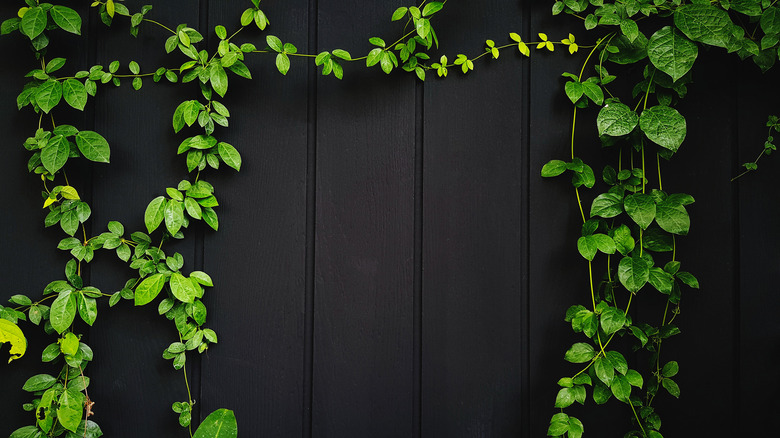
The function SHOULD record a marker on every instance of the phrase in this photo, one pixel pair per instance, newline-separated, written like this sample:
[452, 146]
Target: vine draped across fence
[631, 244]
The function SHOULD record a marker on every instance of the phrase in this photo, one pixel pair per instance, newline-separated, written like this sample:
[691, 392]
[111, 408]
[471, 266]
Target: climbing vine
[631, 228]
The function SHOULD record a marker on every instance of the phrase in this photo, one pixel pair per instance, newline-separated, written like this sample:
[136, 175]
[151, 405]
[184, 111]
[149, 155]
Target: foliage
[633, 226]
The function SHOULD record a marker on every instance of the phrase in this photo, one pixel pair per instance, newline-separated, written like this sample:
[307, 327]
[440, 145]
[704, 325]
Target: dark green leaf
[671, 52]
[621, 388]
[670, 369]
[641, 208]
[74, 93]
[229, 155]
[55, 154]
[219, 79]
[705, 23]
[672, 387]
[616, 119]
[672, 217]
[34, 22]
[633, 273]
[664, 126]
[607, 205]
[612, 320]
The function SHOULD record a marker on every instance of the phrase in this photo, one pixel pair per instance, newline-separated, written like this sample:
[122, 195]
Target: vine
[61, 404]
[635, 220]
[638, 248]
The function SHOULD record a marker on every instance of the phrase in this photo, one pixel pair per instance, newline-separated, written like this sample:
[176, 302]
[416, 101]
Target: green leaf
[672, 387]
[210, 217]
[618, 361]
[664, 126]
[565, 398]
[586, 245]
[202, 278]
[229, 155]
[55, 154]
[63, 311]
[634, 378]
[688, 279]
[616, 119]
[624, 243]
[87, 309]
[671, 52]
[553, 168]
[607, 205]
[432, 8]
[219, 79]
[629, 52]
[93, 146]
[34, 22]
[66, 18]
[770, 21]
[633, 273]
[604, 243]
[576, 428]
[641, 208]
[621, 388]
[705, 23]
[27, 432]
[580, 353]
[74, 93]
[601, 393]
[148, 289]
[174, 216]
[630, 29]
[182, 288]
[69, 411]
[661, 280]
[155, 213]
[282, 63]
[11, 333]
[604, 370]
[670, 369]
[573, 90]
[274, 43]
[612, 320]
[39, 382]
[672, 217]
[559, 425]
[219, 424]
[48, 95]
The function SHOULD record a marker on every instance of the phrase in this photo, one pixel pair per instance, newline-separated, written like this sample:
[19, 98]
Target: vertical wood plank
[473, 230]
[257, 258]
[758, 303]
[363, 381]
[133, 387]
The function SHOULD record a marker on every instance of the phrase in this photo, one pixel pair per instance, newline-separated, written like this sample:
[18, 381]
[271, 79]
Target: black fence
[389, 262]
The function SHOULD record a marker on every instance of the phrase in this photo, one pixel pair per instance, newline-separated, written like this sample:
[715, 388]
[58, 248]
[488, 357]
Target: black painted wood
[364, 266]
[473, 233]
[257, 257]
[389, 262]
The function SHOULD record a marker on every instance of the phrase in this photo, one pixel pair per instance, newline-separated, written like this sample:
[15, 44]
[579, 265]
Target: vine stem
[161, 25]
[189, 393]
[637, 418]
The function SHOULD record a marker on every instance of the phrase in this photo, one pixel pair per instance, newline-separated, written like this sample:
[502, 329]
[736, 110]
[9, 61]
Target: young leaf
[11, 333]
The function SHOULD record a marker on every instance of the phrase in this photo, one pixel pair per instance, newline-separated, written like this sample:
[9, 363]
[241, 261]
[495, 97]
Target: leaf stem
[161, 25]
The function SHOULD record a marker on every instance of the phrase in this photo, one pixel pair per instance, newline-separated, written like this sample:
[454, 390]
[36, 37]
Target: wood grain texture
[257, 257]
[757, 300]
[473, 231]
[364, 287]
